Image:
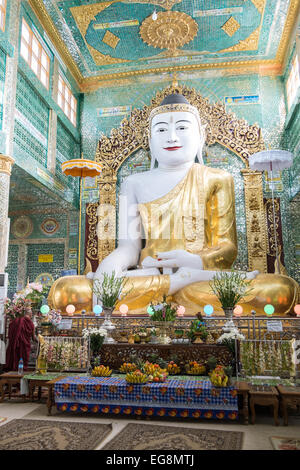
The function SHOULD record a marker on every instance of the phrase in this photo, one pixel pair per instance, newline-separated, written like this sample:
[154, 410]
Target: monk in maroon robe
[20, 333]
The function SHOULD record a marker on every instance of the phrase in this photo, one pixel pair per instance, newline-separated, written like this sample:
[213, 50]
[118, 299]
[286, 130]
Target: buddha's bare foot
[185, 276]
[141, 272]
[252, 274]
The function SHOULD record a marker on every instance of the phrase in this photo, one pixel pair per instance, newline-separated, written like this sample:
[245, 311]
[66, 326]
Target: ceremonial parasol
[82, 168]
[269, 160]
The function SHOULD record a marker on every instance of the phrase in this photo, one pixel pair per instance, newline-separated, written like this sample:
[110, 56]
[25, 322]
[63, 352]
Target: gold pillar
[106, 214]
[6, 163]
[255, 220]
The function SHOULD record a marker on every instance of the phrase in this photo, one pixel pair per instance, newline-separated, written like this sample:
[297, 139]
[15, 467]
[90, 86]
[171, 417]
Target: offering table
[172, 398]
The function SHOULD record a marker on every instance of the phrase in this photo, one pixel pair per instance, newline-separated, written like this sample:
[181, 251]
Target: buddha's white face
[175, 138]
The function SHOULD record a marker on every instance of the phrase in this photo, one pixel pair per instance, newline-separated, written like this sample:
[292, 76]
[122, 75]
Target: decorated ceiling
[109, 38]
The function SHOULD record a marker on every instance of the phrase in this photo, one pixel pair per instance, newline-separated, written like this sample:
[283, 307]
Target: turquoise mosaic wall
[12, 269]
[31, 125]
[34, 268]
[67, 148]
[2, 80]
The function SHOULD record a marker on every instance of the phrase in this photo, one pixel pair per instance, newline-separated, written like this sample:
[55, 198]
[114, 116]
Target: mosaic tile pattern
[12, 269]
[34, 267]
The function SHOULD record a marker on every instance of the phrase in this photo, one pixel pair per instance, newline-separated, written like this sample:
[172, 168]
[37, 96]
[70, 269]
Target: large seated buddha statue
[177, 228]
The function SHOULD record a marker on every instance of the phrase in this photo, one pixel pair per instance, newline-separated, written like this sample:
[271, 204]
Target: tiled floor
[256, 437]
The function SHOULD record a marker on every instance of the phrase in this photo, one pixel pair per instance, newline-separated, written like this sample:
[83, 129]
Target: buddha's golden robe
[198, 215]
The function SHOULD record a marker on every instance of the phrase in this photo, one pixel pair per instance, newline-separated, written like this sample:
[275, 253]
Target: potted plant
[163, 314]
[197, 332]
[109, 291]
[96, 337]
[230, 288]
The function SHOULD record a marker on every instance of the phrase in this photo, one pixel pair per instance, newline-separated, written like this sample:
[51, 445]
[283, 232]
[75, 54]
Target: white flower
[232, 335]
[86, 332]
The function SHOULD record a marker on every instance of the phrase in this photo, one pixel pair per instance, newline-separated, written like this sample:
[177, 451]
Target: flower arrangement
[230, 287]
[257, 357]
[163, 311]
[64, 355]
[19, 306]
[35, 292]
[110, 289]
[96, 336]
[54, 317]
[228, 339]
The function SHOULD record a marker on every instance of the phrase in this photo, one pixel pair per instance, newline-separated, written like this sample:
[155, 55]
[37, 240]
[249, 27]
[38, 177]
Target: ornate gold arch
[221, 127]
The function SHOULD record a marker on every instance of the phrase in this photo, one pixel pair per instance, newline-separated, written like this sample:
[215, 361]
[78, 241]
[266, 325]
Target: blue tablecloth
[189, 398]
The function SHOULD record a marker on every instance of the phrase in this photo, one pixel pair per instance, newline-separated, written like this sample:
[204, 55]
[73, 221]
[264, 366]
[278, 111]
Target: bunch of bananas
[173, 368]
[128, 367]
[101, 371]
[150, 368]
[218, 377]
[136, 377]
[194, 368]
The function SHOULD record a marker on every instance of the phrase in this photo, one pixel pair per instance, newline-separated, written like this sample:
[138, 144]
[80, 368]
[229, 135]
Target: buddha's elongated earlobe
[153, 159]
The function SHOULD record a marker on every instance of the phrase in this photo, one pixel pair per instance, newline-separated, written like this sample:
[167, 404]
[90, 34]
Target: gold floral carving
[221, 127]
[91, 242]
[271, 232]
[171, 30]
[255, 220]
[6, 164]
[231, 26]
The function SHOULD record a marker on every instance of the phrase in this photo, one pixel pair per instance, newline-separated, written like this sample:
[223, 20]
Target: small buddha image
[253, 203]
[257, 249]
[255, 224]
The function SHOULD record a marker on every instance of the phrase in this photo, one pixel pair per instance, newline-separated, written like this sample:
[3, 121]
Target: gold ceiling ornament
[166, 4]
[171, 30]
[84, 14]
[221, 127]
[248, 44]
[110, 39]
[103, 59]
[259, 5]
[251, 42]
[231, 26]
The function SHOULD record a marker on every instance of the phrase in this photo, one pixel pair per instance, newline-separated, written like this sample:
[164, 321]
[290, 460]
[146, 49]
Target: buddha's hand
[174, 259]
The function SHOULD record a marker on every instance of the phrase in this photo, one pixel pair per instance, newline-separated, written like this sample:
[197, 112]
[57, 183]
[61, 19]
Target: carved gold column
[106, 212]
[255, 220]
[6, 163]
